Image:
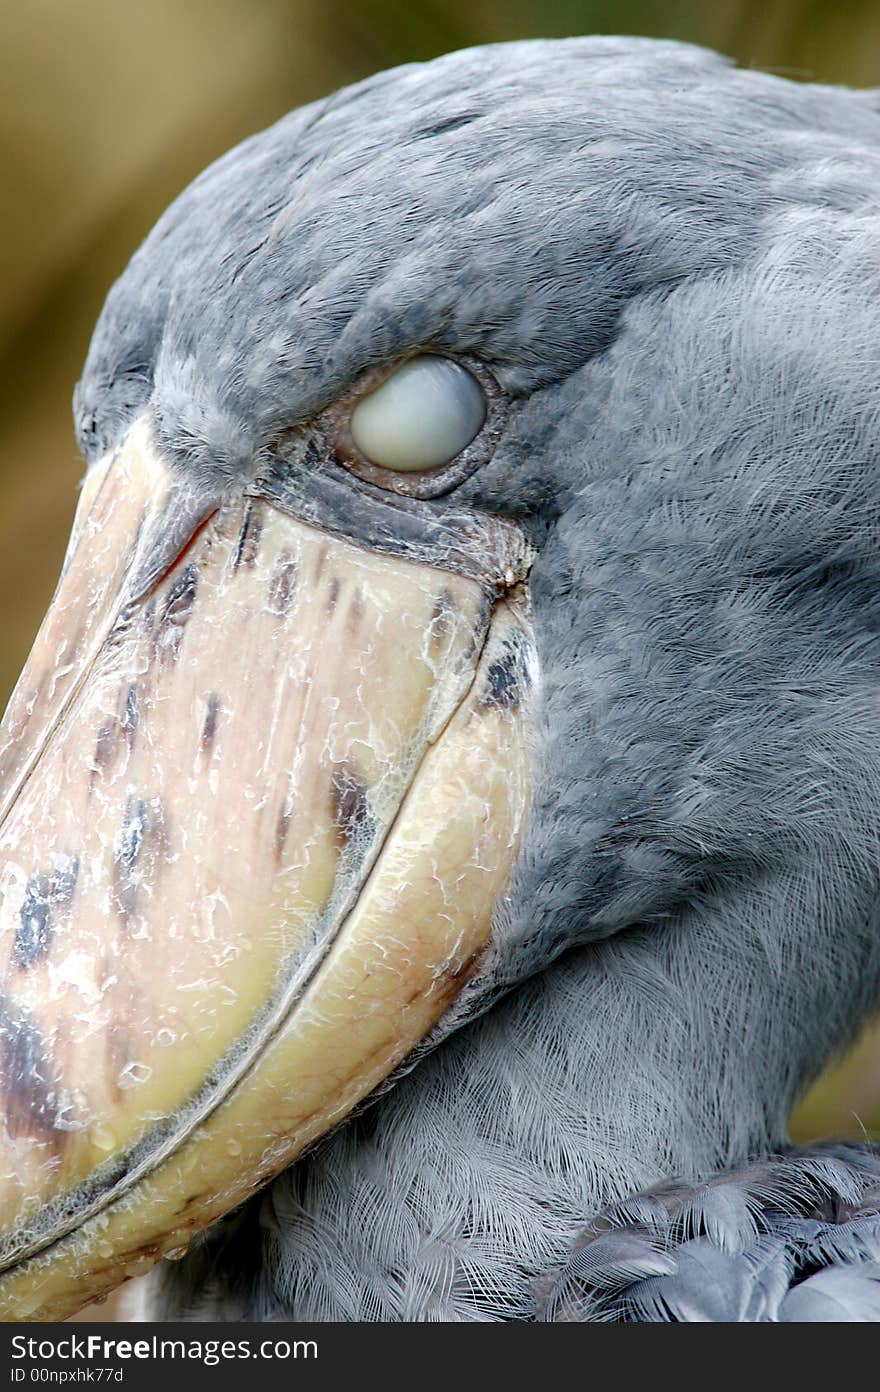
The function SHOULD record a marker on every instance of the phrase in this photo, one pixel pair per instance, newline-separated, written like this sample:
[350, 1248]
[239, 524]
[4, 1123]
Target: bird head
[477, 558]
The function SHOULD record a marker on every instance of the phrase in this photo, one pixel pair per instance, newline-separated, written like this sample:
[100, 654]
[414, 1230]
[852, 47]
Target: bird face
[265, 776]
[369, 684]
[261, 807]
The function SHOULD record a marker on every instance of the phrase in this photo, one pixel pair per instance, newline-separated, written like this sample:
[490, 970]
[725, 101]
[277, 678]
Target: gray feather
[794, 1238]
[670, 268]
[839, 1294]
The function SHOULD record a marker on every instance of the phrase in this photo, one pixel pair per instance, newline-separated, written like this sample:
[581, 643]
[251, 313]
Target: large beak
[261, 792]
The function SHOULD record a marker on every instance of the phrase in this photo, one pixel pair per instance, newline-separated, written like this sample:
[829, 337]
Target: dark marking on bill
[141, 849]
[177, 610]
[34, 932]
[209, 728]
[132, 839]
[477, 635]
[454, 978]
[117, 734]
[105, 749]
[130, 715]
[282, 586]
[506, 680]
[45, 893]
[30, 1080]
[355, 611]
[349, 807]
[282, 825]
[248, 544]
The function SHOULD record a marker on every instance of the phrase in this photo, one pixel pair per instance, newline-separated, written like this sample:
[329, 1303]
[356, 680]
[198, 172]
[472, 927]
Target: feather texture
[670, 268]
[792, 1238]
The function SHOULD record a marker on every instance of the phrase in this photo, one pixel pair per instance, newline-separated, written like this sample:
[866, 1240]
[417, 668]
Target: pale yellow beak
[259, 803]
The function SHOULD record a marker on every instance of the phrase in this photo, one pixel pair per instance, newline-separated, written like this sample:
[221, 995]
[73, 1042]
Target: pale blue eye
[422, 416]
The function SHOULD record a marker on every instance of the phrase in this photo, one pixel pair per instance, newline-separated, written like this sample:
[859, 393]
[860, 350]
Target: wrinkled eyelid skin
[334, 426]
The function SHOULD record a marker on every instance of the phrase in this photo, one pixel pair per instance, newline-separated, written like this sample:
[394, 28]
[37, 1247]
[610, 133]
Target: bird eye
[421, 417]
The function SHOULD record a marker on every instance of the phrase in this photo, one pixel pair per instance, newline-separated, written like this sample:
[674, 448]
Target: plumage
[669, 267]
[790, 1239]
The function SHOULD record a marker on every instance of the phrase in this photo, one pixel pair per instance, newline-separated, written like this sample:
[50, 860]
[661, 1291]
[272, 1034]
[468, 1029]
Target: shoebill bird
[439, 830]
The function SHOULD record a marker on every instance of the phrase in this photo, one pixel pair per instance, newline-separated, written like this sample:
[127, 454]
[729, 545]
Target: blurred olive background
[109, 107]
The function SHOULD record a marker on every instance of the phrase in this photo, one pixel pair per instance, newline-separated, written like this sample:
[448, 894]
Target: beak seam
[248, 1048]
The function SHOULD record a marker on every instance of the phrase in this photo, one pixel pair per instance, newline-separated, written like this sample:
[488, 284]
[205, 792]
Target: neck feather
[664, 1051]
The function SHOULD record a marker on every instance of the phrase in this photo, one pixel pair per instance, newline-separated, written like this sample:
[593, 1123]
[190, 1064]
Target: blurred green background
[109, 107]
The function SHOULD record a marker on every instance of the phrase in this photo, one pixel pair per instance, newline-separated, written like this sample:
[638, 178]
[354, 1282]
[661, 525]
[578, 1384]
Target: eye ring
[335, 425]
